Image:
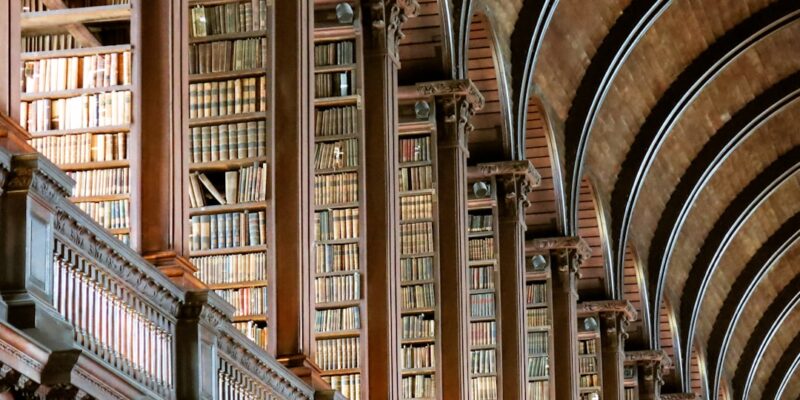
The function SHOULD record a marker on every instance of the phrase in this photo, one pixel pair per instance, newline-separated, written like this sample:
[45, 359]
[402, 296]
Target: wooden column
[457, 101]
[382, 23]
[567, 255]
[651, 365]
[515, 179]
[10, 54]
[615, 315]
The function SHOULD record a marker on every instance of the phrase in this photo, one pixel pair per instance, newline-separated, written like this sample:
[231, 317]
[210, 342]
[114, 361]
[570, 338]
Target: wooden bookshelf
[590, 363]
[338, 271]
[418, 292]
[230, 151]
[539, 336]
[76, 98]
[631, 382]
[484, 279]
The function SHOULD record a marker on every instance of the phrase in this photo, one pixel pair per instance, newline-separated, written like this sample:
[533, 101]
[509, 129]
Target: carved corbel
[34, 173]
[616, 315]
[679, 396]
[388, 17]
[570, 251]
[203, 306]
[517, 177]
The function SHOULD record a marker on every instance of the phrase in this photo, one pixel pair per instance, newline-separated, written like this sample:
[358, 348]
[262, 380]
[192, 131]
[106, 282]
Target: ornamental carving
[459, 88]
[570, 251]
[517, 177]
[659, 357]
[398, 11]
[679, 396]
[622, 307]
[202, 305]
[33, 172]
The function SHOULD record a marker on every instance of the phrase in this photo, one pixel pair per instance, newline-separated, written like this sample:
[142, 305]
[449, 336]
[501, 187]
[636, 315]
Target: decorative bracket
[398, 12]
[517, 177]
[570, 251]
[679, 396]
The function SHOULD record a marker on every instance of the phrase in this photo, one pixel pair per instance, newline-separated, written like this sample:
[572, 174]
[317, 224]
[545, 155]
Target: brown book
[211, 189]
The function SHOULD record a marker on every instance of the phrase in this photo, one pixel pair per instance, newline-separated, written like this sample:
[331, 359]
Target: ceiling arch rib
[725, 229]
[743, 288]
[634, 22]
[788, 365]
[714, 153]
[768, 325]
[676, 99]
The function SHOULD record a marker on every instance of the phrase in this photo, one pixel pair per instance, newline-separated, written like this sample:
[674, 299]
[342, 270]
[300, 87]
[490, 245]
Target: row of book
[338, 353]
[338, 319]
[538, 343]
[333, 84]
[587, 381]
[483, 361]
[335, 53]
[100, 182]
[228, 230]
[536, 293]
[416, 207]
[247, 301]
[587, 365]
[254, 330]
[248, 184]
[231, 268]
[40, 5]
[109, 214]
[338, 154]
[588, 346]
[481, 278]
[416, 178]
[630, 393]
[336, 121]
[228, 97]
[416, 269]
[416, 357]
[483, 333]
[538, 390]
[228, 55]
[332, 289]
[348, 385]
[481, 249]
[536, 317]
[228, 141]
[56, 41]
[537, 367]
[483, 388]
[415, 149]
[68, 73]
[85, 111]
[416, 238]
[245, 16]
[418, 387]
[481, 305]
[417, 296]
[83, 148]
[336, 257]
[417, 327]
[336, 188]
[480, 223]
[336, 224]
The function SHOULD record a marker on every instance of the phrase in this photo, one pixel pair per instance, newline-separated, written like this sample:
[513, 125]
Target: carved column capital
[33, 172]
[653, 363]
[388, 17]
[570, 251]
[616, 315]
[206, 307]
[679, 396]
[518, 179]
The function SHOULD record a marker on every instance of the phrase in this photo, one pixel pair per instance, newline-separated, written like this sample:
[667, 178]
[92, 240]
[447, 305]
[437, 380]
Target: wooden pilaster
[615, 315]
[10, 54]
[651, 365]
[457, 101]
[568, 254]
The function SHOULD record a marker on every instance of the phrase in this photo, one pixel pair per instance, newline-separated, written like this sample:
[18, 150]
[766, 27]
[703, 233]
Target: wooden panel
[592, 271]
[541, 217]
[481, 70]
[696, 375]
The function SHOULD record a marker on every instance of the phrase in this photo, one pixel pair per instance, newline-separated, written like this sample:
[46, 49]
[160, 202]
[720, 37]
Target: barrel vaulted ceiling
[667, 134]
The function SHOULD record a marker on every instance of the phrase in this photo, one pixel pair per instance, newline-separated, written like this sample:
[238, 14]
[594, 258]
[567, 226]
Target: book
[211, 189]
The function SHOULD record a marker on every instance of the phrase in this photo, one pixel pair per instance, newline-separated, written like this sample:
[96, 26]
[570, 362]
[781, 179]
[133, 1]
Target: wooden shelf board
[418, 341]
[230, 250]
[482, 319]
[95, 199]
[336, 206]
[94, 165]
[238, 285]
[414, 283]
[481, 204]
[78, 131]
[538, 378]
[228, 36]
[418, 371]
[473, 235]
[80, 52]
[540, 328]
[337, 334]
[338, 101]
[333, 372]
[252, 317]
[535, 305]
[483, 347]
[215, 76]
[418, 255]
[410, 164]
[337, 304]
[486, 375]
[337, 241]
[226, 165]
[334, 32]
[334, 138]
[542, 275]
[43, 20]
[62, 94]
[415, 128]
[481, 263]
[224, 208]
[336, 273]
[334, 68]
[537, 355]
[417, 192]
[482, 291]
[330, 171]
[410, 311]
[228, 119]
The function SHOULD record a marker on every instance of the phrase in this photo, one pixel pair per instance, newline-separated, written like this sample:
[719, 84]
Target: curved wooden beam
[713, 154]
[722, 234]
[676, 99]
[784, 369]
[612, 53]
[764, 332]
[786, 237]
[526, 40]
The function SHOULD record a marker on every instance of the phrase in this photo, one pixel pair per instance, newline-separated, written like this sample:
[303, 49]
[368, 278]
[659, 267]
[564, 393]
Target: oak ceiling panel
[756, 70]
[682, 32]
[542, 215]
[421, 48]
[591, 285]
[488, 122]
[631, 291]
[754, 154]
[696, 376]
[766, 292]
[575, 32]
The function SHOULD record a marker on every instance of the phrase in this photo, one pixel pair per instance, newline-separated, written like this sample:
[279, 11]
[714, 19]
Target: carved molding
[570, 251]
[517, 177]
[459, 88]
[649, 356]
[207, 307]
[622, 307]
[99, 387]
[34, 172]
[391, 15]
[679, 396]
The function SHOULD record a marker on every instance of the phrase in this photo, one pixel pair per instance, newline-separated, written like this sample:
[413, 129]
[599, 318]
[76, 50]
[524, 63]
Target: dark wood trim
[675, 100]
[743, 288]
[786, 367]
[727, 139]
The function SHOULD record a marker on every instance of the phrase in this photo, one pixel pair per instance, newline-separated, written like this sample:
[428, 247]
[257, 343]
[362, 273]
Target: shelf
[84, 51]
[417, 192]
[79, 131]
[94, 165]
[482, 319]
[409, 164]
[253, 317]
[216, 76]
[237, 285]
[474, 235]
[540, 328]
[228, 36]
[225, 165]
[418, 255]
[538, 378]
[337, 334]
[334, 138]
[414, 283]
[334, 32]
[535, 305]
[483, 347]
[55, 19]
[486, 375]
[331, 171]
[338, 101]
[337, 304]
[418, 371]
[537, 355]
[415, 128]
[337, 241]
[63, 94]
[336, 206]
[334, 68]
[225, 208]
[410, 311]
[230, 250]
[415, 221]
[482, 291]
[349, 371]
[418, 341]
[336, 273]
[542, 275]
[227, 119]
[481, 263]
[95, 199]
